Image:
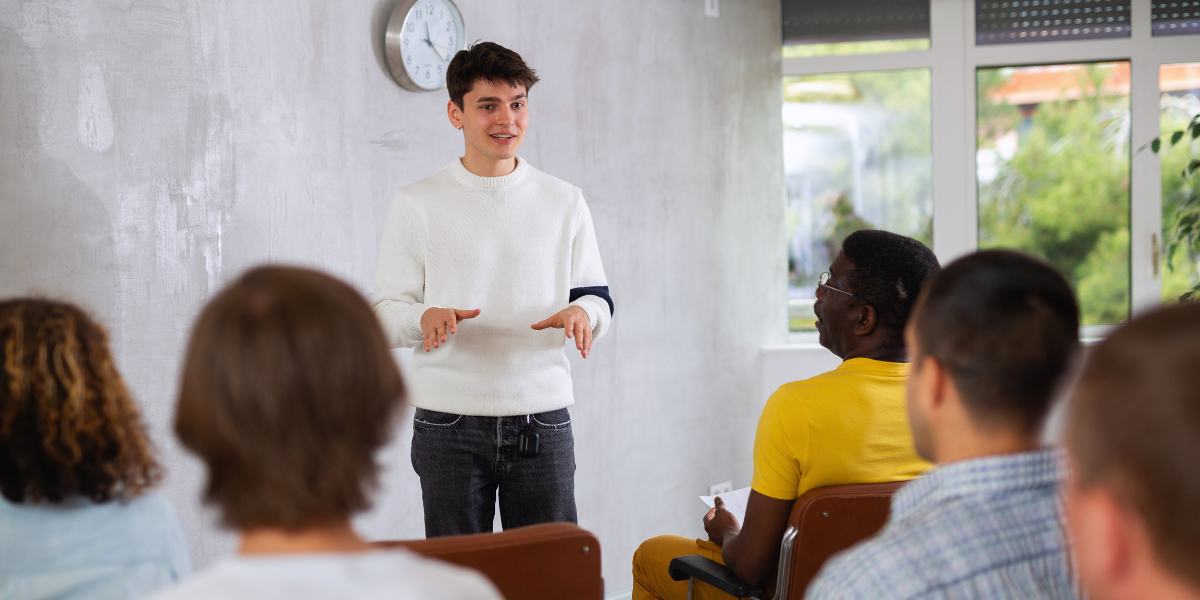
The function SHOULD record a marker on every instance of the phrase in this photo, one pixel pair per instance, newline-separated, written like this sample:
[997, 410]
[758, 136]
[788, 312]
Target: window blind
[1048, 20]
[823, 21]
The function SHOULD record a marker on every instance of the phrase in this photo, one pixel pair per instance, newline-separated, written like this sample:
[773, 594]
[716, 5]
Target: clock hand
[431, 44]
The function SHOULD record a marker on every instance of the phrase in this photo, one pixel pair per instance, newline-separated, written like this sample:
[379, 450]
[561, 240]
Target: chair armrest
[713, 573]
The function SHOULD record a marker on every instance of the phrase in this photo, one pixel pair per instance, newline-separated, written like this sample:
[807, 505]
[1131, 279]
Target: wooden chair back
[825, 521]
[551, 560]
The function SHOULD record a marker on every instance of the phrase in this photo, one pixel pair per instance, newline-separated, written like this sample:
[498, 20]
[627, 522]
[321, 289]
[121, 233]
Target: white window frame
[953, 59]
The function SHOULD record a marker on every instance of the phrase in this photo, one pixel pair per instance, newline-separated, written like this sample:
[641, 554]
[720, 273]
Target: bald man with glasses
[842, 427]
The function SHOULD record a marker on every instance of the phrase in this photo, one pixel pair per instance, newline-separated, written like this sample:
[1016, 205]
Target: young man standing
[1133, 434]
[990, 339]
[506, 252]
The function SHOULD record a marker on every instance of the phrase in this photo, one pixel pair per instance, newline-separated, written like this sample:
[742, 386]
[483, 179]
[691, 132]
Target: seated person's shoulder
[391, 574]
[814, 390]
[898, 563]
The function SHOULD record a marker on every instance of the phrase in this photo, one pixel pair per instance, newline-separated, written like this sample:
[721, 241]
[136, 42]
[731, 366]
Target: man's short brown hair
[490, 62]
[1135, 429]
[288, 390]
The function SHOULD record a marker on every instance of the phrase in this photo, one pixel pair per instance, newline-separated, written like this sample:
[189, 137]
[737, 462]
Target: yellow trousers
[650, 579]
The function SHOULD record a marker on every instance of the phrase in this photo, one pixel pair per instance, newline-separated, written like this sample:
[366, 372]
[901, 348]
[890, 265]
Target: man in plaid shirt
[990, 339]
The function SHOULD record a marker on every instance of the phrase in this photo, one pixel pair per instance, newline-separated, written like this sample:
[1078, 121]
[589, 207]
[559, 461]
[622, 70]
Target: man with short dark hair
[1133, 436]
[841, 427]
[990, 339]
[491, 239]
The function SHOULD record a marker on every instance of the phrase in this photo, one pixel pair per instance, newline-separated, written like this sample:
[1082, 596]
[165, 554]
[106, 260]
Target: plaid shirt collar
[981, 476]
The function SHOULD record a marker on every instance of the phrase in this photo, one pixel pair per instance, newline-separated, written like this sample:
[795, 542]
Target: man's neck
[876, 350]
[1150, 581]
[483, 166]
[966, 444]
[322, 539]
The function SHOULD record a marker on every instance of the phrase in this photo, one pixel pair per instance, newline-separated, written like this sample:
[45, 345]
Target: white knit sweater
[515, 247]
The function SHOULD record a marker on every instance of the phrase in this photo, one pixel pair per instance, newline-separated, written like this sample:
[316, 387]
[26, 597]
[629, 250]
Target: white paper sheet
[735, 502]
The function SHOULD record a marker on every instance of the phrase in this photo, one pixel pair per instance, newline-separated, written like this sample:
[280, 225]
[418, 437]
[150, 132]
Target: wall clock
[422, 36]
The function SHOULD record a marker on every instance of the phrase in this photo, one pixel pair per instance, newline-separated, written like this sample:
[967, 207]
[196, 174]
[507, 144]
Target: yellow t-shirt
[845, 426]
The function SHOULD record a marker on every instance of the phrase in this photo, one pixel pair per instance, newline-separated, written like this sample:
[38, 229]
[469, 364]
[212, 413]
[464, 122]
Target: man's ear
[1103, 533]
[936, 380]
[866, 319]
[454, 113]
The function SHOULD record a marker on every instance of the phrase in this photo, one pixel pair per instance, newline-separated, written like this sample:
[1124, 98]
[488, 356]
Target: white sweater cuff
[412, 322]
[597, 312]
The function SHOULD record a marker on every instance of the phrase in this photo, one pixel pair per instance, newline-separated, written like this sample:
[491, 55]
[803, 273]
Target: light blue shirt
[986, 528]
[81, 550]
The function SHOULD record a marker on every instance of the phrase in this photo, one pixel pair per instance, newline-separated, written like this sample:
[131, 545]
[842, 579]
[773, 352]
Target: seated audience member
[1134, 437]
[77, 520]
[841, 427]
[990, 339]
[288, 392]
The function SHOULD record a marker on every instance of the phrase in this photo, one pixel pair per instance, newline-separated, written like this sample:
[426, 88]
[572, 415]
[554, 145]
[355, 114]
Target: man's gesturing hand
[437, 322]
[719, 522]
[575, 320]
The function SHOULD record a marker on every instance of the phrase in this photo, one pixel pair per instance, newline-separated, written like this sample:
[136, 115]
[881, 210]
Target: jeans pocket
[552, 420]
[434, 420]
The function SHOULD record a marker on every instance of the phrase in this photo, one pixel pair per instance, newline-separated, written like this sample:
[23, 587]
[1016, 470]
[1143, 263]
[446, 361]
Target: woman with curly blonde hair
[76, 520]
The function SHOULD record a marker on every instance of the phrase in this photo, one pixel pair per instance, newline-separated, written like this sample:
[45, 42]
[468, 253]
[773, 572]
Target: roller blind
[1050, 20]
[1175, 18]
[822, 21]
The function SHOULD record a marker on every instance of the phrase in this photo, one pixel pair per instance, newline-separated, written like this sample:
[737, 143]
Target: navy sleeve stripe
[599, 290]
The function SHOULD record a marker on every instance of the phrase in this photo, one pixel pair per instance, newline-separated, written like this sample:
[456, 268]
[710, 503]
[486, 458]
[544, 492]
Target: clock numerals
[427, 42]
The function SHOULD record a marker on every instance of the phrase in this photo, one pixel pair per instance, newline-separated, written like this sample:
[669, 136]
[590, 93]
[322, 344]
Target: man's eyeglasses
[823, 281]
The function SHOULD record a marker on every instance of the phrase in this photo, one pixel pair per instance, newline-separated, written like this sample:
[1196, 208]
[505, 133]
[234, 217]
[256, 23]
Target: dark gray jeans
[464, 460]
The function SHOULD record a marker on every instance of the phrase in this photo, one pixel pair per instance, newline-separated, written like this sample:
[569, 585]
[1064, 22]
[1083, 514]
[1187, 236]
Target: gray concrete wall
[151, 151]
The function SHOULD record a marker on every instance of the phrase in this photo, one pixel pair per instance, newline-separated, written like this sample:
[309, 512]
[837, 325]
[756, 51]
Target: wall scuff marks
[152, 151]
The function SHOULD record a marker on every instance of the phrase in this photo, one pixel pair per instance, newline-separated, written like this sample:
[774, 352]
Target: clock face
[422, 37]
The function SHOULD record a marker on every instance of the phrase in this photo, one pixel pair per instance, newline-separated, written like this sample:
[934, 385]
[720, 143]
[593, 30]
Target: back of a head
[488, 61]
[1135, 429]
[1006, 327]
[288, 390]
[68, 426]
[889, 270]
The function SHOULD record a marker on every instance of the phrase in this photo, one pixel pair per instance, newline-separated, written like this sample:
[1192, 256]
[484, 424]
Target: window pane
[1049, 20]
[856, 151]
[827, 27]
[843, 48]
[1052, 165]
[1180, 102]
[1174, 18]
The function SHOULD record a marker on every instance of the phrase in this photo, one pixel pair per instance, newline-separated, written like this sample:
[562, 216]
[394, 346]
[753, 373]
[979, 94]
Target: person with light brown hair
[77, 519]
[1134, 437]
[288, 392]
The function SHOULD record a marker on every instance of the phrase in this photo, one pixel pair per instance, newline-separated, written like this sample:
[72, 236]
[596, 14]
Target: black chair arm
[713, 573]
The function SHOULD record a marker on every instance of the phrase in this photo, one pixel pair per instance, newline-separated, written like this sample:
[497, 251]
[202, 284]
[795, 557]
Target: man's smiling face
[494, 117]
